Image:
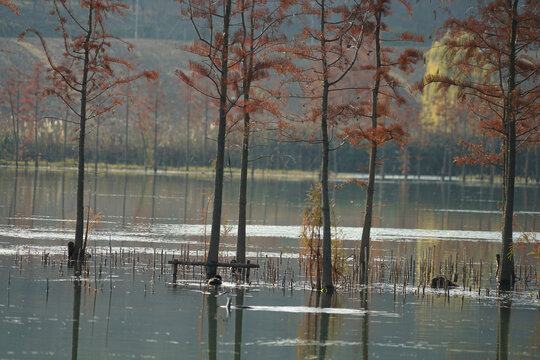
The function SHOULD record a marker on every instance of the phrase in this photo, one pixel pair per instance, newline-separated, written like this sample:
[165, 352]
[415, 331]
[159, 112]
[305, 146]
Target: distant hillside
[163, 55]
[161, 19]
[160, 32]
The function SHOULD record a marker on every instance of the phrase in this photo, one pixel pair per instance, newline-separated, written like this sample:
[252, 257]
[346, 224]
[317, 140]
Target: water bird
[229, 305]
[215, 281]
[441, 282]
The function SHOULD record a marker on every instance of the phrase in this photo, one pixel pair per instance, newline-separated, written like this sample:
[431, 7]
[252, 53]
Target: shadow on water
[504, 309]
[76, 316]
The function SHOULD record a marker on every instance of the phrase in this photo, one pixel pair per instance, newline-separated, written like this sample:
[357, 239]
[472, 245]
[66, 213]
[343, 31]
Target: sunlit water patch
[187, 233]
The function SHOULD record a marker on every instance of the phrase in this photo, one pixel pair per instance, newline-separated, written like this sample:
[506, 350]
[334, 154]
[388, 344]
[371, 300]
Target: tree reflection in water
[320, 329]
[365, 322]
[186, 196]
[238, 315]
[504, 308]
[13, 205]
[211, 302]
[317, 327]
[76, 316]
[326, 302]
[34, 192]
[153, 217]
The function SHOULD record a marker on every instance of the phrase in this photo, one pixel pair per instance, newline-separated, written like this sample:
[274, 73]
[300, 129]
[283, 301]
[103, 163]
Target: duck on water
[215, 281]
[441, 282]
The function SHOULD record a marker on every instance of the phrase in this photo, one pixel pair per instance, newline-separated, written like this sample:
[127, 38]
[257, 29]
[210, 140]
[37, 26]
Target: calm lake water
[47, 313]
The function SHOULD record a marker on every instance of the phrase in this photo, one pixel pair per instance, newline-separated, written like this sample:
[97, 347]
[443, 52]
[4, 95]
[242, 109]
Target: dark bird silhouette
[440, 282]
[215, 281]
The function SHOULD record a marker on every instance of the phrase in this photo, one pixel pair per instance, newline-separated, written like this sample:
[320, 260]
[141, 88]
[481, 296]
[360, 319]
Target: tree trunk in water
[537, 162]
[78, 252]
[449, 165]
[65, 136]
[205, 140]
[405, 162]
[15, 122]
[241, 239]
[213, 248]
[335, 160]
[506, 278]
[187, 132]
[526, 167]
[327, 283]
[246, 86]
[17, 143]
[97, 148]
[155, 132]
[79, 225]
[36, 124]
[366, 229]
[126, 133]
[381, 169]
[327, 239]
[443, 168]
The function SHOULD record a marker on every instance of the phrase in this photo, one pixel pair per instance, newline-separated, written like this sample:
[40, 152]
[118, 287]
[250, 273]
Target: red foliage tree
[329, 52]
[492, 53]
[255, 53]
[10, 5]
[212, 24]
[85, 77]
[385, 96]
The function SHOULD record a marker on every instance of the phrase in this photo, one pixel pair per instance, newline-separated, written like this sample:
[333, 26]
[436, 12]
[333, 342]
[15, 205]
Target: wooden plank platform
[204, 263]
[176, 262]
